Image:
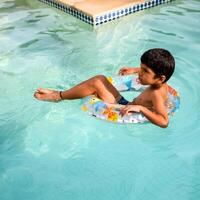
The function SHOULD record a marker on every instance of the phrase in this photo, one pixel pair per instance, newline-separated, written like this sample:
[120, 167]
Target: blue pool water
[55, 151]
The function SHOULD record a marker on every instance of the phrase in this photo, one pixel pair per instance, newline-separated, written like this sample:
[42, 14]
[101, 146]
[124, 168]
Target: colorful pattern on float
[98, 108]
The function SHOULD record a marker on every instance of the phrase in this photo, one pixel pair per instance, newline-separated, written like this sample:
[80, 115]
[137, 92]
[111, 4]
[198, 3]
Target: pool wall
[86, 13]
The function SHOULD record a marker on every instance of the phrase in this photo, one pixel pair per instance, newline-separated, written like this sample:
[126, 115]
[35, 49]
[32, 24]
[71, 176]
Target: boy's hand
[127, 70]
[129, 108]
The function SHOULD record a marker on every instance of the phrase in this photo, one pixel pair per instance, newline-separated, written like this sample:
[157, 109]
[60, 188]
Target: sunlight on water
[54, 150]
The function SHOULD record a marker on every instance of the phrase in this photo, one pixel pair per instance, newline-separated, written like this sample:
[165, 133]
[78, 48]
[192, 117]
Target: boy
[157, 66]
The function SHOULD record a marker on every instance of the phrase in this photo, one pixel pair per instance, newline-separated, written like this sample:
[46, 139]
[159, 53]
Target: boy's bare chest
[144, 99]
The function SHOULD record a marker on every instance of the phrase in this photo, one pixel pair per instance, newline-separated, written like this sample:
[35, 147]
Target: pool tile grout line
[102, 18]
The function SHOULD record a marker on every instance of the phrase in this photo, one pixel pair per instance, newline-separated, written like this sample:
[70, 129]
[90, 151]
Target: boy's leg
[98, 85]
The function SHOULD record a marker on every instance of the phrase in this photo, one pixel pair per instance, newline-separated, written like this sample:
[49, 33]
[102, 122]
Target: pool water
[54, 150]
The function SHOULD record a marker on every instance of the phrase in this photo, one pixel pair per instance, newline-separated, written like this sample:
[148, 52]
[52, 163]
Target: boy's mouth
[141, 81]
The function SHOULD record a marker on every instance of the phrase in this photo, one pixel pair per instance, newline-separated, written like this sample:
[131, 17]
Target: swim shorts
[122, 101]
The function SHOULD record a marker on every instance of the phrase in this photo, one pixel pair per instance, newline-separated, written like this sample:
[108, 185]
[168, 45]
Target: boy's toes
[44, 91]
[37, 95]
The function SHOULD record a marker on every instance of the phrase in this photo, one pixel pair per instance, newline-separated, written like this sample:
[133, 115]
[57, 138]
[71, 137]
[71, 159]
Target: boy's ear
[162, 78]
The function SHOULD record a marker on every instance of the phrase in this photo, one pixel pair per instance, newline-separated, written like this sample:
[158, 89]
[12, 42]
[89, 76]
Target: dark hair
[160, 61]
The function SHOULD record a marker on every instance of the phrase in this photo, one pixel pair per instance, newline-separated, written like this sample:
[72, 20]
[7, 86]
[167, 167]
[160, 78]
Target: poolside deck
[99, 7]
[97, 12]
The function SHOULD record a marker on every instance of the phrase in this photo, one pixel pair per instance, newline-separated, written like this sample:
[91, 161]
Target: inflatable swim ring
[98, 108]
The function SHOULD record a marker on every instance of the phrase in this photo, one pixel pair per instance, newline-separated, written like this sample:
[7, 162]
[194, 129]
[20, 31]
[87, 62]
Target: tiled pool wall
[71, 10]
[126, 11]
[109, 16]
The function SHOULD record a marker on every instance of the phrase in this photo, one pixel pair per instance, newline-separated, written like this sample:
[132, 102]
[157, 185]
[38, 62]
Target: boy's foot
[47, 95]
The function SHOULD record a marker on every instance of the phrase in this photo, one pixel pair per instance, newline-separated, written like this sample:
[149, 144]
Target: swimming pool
[55, 151]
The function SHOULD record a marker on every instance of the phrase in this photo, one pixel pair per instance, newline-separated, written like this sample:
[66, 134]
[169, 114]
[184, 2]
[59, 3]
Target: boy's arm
[159, 117]
[128, 70]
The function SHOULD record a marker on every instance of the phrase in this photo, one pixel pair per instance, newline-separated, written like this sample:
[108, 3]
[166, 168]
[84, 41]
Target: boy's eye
[144, 70]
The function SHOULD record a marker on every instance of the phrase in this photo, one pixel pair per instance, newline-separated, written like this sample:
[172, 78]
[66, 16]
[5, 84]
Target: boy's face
[147, 76]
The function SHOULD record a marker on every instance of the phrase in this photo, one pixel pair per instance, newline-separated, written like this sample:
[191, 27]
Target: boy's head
[160, 61]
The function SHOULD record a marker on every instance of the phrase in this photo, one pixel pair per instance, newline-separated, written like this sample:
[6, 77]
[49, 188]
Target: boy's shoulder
[159, 93]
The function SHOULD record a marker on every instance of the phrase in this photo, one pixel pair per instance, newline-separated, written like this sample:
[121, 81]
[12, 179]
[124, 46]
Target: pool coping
[100, 17]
